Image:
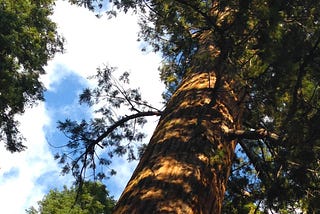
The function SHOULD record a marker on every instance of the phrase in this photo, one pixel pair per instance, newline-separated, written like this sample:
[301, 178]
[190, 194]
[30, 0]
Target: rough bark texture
[187, 162]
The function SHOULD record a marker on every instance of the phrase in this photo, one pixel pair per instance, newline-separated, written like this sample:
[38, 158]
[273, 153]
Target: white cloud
[20, 171]
[24, 177]
[91, 42]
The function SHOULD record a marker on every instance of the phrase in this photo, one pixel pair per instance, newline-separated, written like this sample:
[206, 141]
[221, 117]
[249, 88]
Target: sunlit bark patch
[152, 193]
[199, 81]
[173, 129]
[225, 112]
[203, 158]
[172, 171]
[142, 175]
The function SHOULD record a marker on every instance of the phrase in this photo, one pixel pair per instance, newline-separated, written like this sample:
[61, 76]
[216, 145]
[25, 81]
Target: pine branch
[302, 72]
[122, 121]
[90, 149]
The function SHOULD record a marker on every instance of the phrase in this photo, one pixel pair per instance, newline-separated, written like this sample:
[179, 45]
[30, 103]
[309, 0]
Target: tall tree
[92, 199]
[28, 40]
[241, 76]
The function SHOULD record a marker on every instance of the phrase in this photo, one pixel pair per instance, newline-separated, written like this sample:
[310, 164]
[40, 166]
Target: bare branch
[250, 134]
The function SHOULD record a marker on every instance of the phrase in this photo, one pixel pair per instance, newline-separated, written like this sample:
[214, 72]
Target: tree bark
[186, 165]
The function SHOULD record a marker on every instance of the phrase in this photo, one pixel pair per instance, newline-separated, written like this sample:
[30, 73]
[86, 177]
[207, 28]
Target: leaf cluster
[93, 199]
[28, 40]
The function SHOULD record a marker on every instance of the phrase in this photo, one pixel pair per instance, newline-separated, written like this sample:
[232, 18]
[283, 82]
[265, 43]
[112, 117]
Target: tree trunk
[186, 165]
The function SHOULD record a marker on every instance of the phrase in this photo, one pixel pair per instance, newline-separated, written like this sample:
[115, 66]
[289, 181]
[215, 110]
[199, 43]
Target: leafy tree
[28, 40]
[92, 199]
[239, 131]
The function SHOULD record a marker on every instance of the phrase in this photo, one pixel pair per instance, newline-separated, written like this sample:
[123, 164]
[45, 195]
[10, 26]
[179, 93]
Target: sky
[90, 43]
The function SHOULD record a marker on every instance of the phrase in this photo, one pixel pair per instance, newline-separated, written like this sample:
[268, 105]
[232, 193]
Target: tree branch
[249, 134]
[257, 162]
[122, 121]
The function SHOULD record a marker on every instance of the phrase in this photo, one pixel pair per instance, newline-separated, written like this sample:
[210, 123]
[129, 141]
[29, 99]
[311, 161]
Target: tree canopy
[93, 198]
[268, 52]
[28, 40]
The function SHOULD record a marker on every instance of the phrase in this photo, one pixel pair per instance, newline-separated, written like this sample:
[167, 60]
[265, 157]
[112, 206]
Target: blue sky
[90, 42]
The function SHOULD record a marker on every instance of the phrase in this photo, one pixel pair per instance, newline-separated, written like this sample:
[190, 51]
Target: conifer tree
[239, 130]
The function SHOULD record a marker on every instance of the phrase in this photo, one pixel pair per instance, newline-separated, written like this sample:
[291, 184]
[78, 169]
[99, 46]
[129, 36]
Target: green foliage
[92, 199]
[28, 40]
[269, 52]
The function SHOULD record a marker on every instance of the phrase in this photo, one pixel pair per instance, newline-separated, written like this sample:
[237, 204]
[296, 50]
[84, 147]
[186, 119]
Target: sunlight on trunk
[187, 162]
